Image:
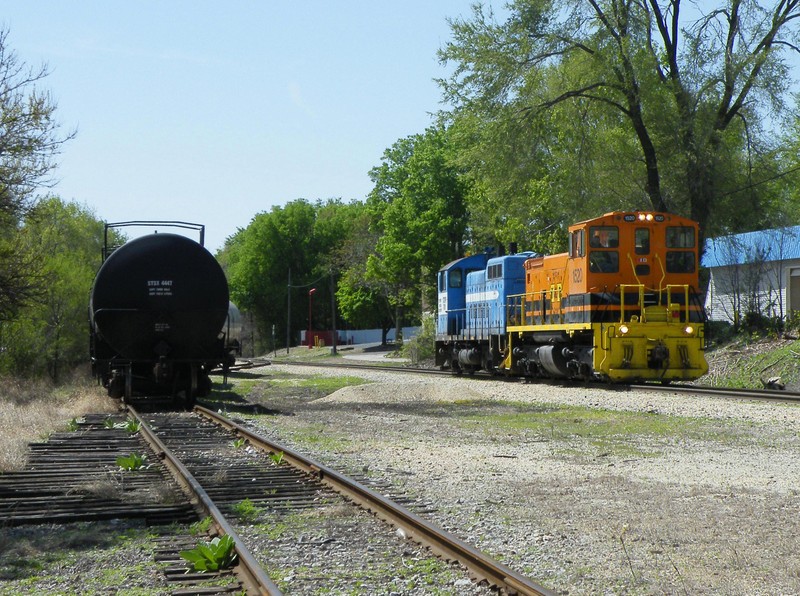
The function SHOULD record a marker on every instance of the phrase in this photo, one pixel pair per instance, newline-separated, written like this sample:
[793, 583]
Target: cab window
[642, 241]
[604, 261]
[495, 271]
[603, 236]
[680, 262]
[455, 279]
[681, 237]
[576, 244]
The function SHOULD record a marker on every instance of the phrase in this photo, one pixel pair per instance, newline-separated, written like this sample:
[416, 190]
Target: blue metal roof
[770, 245]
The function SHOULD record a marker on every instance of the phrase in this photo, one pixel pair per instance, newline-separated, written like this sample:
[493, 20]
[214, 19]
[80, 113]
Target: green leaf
[211, 556]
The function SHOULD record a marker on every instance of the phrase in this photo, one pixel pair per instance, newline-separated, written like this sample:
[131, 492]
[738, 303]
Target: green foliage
[246, 510]
[74, 424]
[421, 346]
[793, 321]
[30, 141]
[418, 205]
[756, 323]
[298, 239]
[131, 425]
[218, 554]
[50, 336]
[132, 462]
[277, 458]
[239, 443]
[610, 105]
[202, 526]
[720, 332]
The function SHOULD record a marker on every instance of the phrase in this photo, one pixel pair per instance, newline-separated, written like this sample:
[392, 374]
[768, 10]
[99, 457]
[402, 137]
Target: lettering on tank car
[159, 287]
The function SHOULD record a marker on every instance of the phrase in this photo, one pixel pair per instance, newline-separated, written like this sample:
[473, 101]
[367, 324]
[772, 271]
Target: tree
[287, 246]
[29, 143]
[691, 90]
[362, 302]
[51, 335]
[418, 208]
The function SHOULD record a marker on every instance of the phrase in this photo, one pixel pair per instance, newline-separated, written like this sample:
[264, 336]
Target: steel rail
[437, 540]
[724, 392]
[253, 577]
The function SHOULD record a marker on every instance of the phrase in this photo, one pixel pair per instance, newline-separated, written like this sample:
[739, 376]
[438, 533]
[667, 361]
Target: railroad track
[722, 392]
[209, 473]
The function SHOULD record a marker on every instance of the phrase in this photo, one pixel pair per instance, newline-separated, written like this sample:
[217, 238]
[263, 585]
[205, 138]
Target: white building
[753, 272]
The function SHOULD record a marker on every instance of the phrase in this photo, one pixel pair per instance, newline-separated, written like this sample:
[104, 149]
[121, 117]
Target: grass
[600, 431]
[319, 436]
[748, 363]
[304, 353]
[246, 510]
[276, 387]
[31, 409]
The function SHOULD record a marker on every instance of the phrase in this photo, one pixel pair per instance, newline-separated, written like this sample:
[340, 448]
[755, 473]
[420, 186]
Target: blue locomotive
[472, 296]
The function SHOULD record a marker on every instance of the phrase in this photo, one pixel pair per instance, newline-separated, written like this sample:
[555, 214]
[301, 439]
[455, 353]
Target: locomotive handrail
[685, 288]
[640, 289]
[633, 268]
[663, 275]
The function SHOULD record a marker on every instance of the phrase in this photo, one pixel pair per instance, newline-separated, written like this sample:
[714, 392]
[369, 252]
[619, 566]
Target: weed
[202, 526]
[246, 510]
[74, 424]
[212, 556]
[277, 458]
[239, 443]
[132, 462]
[130, 425]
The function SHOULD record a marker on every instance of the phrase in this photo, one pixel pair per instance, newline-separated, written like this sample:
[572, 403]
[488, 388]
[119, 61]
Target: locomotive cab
[452, 293]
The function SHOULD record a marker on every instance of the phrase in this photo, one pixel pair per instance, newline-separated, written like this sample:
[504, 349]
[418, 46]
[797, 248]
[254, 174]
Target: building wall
[365, 336]
[765, 286]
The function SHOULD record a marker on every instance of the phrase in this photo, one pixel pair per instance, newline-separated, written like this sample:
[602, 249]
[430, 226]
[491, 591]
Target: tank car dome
[160, 295]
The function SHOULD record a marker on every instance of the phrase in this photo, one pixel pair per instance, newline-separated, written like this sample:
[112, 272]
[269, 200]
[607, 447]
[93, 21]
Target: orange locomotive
[621, 305]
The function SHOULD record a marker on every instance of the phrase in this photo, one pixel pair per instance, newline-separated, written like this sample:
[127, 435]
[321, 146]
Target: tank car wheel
[128, 384]
[116, 388]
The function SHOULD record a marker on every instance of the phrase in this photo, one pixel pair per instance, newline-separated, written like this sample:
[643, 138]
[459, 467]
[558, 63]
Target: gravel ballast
[586, 490]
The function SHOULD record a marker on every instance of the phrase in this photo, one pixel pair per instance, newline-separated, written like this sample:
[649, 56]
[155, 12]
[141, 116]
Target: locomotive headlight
[623, 329]
[688, 330]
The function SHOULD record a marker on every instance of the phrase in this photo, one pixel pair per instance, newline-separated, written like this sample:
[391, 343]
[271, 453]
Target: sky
[213, 112]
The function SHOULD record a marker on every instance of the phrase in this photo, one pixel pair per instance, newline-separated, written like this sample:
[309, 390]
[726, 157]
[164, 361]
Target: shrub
[421, 347]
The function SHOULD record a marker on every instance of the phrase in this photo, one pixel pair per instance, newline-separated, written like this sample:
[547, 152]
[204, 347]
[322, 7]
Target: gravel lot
[587, 491]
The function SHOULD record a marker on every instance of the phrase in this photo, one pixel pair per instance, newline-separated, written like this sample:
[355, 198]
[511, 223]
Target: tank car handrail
[185, 225]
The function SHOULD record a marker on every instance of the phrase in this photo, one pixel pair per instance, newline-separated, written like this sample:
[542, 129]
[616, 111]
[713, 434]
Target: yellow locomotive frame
[626, 349]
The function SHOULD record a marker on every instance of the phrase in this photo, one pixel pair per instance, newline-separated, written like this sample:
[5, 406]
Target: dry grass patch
[31, 410]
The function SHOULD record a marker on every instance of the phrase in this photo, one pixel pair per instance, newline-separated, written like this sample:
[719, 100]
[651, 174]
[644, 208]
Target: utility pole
[333, 314]
[288, 311]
